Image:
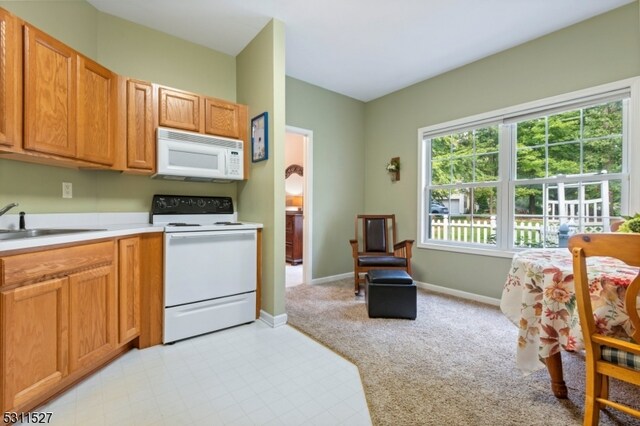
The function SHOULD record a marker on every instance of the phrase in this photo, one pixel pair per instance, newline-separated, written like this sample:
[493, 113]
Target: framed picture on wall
[260, 137]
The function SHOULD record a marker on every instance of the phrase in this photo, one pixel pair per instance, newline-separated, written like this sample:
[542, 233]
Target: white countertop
[102, 225]
[104, 232]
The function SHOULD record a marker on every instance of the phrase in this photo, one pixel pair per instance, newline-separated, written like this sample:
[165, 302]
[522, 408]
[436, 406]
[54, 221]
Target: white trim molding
[332, 278]
[273, 321]
[307, 223]
[459, 293]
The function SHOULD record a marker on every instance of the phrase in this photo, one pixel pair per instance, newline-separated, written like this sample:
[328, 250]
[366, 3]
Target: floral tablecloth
[539, 298]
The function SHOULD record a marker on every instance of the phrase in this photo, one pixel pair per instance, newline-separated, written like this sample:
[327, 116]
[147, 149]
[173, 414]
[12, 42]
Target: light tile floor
[247, 375]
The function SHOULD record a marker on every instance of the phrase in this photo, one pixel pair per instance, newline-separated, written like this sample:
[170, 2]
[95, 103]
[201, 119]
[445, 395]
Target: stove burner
[183, 224]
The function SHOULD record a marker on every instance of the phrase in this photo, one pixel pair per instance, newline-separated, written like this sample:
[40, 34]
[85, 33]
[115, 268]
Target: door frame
[307, 203]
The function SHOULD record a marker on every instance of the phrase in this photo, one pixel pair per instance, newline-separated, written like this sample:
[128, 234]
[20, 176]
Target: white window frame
[506, 164]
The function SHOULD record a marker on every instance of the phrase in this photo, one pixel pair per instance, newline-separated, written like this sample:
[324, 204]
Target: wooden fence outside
[527, 233]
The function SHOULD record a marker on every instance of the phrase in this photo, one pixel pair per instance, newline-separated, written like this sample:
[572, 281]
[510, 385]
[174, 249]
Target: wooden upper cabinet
[35, 340]
[49, 94]
[96, 103]
[10, 80]
[179, 109]
[141, 146]
[222, 118]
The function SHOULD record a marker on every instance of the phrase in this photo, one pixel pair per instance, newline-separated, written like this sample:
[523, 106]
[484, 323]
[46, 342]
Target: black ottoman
[390, 294]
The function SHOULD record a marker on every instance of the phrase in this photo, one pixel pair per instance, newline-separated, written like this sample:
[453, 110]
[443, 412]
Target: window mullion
[506, 188]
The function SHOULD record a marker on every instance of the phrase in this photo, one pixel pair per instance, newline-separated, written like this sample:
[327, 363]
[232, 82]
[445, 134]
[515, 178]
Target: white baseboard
[459, 293]
[436, 288]
[271, 321]
[332, 278]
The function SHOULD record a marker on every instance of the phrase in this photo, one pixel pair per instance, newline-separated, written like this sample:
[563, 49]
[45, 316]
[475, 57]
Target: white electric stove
[210, 265]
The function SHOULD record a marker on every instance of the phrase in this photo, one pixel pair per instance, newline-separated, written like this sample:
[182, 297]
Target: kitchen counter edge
[108, 231]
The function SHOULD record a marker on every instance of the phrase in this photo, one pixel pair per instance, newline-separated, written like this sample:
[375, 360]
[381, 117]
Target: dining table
[539, 298]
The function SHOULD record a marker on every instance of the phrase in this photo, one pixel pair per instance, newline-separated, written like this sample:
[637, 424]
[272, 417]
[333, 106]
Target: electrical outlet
[67, 190]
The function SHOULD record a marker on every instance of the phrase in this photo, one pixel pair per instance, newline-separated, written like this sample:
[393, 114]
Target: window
[527, 175]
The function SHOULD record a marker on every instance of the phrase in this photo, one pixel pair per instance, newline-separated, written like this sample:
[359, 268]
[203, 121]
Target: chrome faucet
[7, 208]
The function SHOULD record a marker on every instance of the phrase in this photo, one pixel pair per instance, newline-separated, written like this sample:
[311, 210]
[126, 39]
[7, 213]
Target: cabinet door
[92, 319]
[95, 108]
[128, 288]
[178, 109]
[49, 94]
[141, 147]
[221, 118]
[10, 81]
[34, 340]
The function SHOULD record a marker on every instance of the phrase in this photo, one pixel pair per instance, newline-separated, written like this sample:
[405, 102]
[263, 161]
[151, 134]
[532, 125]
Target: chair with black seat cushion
[375, 246]
[607, 356]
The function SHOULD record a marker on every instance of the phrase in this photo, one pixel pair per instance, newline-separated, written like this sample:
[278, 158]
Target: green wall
[261, 85]
[140, 52]
[600, 50]
[352, 141]
[131, 50]
[338, 128]
[72, 22]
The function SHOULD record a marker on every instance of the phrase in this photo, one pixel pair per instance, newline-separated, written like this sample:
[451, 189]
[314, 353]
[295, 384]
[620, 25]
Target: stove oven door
[207, 265]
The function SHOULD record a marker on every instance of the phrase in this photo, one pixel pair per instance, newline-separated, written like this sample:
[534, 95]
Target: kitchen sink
[32, 233]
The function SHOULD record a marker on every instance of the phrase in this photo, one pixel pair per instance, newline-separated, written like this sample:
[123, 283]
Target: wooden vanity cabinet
[293, 237]
[11, 81]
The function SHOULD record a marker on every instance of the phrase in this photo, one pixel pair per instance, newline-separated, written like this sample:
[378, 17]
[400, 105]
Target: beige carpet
[453, 365]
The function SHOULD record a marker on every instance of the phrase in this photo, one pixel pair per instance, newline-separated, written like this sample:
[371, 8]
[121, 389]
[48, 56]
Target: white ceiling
[363, 48]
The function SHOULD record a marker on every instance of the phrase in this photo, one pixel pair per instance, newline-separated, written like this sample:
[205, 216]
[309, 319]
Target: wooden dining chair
[607, 356]
[375, 246]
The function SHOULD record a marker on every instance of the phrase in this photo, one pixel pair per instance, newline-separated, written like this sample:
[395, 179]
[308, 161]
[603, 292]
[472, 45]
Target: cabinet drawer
[41, 265]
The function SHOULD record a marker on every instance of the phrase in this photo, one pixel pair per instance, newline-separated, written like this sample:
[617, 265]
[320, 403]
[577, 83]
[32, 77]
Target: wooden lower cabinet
[34, 340]
[128, 289]
[67, 311]
[92, 316]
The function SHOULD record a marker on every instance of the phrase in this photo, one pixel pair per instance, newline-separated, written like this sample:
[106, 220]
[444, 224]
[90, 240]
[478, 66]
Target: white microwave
[196, 157]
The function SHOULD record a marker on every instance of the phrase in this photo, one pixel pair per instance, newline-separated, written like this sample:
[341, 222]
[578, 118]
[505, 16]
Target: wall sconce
[393, 167]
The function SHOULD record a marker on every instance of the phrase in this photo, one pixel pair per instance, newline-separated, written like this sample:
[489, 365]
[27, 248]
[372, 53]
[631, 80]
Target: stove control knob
[161, 203]
[201, 202]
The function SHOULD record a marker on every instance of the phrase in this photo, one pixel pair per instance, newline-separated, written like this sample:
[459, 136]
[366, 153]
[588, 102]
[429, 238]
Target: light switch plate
[67, 190]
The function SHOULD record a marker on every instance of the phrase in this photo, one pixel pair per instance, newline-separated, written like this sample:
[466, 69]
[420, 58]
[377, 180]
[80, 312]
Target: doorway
[298, 205]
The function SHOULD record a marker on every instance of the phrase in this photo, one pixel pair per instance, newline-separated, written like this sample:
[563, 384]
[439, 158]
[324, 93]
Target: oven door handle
[204, 234]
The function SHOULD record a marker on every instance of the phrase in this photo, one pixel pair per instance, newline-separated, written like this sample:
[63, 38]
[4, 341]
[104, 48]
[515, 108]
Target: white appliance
[210, 265]
[195, 157]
